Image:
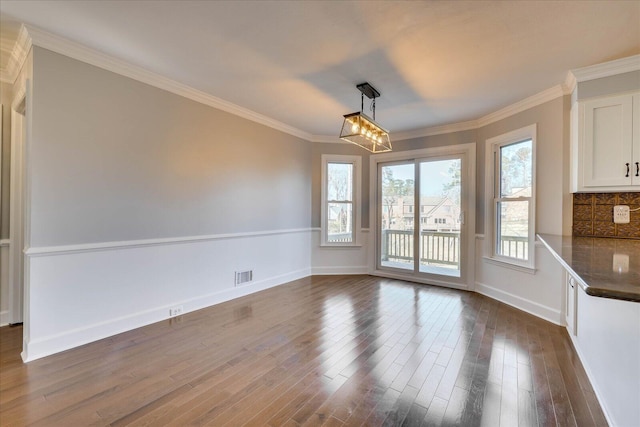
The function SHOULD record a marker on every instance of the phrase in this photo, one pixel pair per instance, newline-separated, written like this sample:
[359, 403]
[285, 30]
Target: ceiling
[298, 62]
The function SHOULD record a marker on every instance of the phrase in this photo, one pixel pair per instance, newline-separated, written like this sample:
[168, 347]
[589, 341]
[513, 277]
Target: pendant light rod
[371, 92]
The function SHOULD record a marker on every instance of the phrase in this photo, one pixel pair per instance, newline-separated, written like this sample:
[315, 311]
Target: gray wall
[113, 159]
[5, 100]
[552, 162]
[316, 169]
[609, 85]
[551, 182]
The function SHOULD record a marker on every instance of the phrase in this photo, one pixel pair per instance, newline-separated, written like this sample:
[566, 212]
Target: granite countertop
[600, 264]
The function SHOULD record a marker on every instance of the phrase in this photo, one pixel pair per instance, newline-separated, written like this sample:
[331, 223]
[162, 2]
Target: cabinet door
[607, 144]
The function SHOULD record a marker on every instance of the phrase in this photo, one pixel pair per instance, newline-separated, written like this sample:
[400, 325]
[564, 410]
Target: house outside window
[511, 174]
[340, 200]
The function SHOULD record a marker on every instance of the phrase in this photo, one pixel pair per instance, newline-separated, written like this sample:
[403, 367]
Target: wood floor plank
[320, 351]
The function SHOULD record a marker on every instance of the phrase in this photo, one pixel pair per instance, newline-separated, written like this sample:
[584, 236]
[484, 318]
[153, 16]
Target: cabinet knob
[627, 175]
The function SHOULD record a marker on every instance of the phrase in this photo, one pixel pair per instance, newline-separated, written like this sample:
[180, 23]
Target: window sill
[511, 265]
[340, 245]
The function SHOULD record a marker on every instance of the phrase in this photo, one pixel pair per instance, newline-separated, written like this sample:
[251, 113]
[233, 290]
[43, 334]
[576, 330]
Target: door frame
[17, 202]
[468, 194]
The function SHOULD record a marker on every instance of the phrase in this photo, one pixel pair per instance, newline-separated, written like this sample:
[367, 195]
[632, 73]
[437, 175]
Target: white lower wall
[340, 259]
[539, 294]
[82, 294]
[4, 283]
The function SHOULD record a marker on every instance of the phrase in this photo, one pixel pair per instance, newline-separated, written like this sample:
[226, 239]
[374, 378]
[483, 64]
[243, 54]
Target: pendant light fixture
[362, 130]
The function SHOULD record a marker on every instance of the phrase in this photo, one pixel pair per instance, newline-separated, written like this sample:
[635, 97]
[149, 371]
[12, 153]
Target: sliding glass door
[397, 196]
[421, 217]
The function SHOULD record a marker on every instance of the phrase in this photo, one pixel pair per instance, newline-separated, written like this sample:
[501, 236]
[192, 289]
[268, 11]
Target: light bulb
[354, 127]
[368, 134]
[363, 130]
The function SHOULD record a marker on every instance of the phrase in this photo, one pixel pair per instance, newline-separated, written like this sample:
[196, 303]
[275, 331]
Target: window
[340, 200]
[512, 209]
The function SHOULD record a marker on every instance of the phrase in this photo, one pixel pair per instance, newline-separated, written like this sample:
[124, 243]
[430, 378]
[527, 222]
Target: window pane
[513, 229]
[515, 169]
[340, 181]
[396, 217]
[340, 222]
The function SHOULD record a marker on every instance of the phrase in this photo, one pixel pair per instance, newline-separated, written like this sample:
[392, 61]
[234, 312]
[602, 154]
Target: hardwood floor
[331, 351]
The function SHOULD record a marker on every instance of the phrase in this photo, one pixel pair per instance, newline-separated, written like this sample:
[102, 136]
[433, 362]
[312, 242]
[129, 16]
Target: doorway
[425, 224]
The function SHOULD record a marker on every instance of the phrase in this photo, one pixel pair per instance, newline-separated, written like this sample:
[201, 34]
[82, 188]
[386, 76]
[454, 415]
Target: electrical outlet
[621, 214]
[175, 311]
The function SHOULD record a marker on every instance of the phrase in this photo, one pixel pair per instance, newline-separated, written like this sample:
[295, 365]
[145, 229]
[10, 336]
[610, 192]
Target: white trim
[30, 35]
[129, 244]
[468, 151]
[45, 346]
[508, 111]
[539, 310]
[18, 55]
[509, 264]
[435, 130]
[421, 280]
[85, 54]
[607, 69]
[4, 242]
[520, 106]
[356, 162]
[570, 83]
[18, 210]
[330, 271]
[5, 317]
[491, 144]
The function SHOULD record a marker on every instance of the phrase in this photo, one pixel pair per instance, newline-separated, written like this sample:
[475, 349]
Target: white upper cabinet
[608, 151]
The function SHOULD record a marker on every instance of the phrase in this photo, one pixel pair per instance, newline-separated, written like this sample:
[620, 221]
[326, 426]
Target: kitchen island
[602, 311]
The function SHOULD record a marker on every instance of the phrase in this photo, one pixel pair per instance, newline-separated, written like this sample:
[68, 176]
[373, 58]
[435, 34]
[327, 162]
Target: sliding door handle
[627, 175]
[637, 168]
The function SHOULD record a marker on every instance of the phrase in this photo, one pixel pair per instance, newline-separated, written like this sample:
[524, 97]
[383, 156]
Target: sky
[437, 174]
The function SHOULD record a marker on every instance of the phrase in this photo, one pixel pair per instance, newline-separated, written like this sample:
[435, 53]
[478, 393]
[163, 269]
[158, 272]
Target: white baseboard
[46, 346]
[4, 318]
[322, 271]
[539, 310]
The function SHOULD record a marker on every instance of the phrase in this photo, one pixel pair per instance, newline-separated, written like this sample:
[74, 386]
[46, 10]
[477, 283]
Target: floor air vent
[243, 277]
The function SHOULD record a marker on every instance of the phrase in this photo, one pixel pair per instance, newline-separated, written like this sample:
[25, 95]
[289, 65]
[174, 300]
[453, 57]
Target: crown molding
[436, 130]
[607, 69]
[520, 106]
[18, 55]
[570, 83]
[29, 36]
[83, 53]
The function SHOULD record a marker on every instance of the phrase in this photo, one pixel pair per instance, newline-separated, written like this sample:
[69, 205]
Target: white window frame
[492, 198]
[356, 162]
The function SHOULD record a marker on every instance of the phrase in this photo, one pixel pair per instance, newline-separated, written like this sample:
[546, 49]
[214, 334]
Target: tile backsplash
[593, 215]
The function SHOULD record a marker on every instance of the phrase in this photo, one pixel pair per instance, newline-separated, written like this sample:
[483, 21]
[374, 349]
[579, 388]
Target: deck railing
[439, 247]
[514, 246]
